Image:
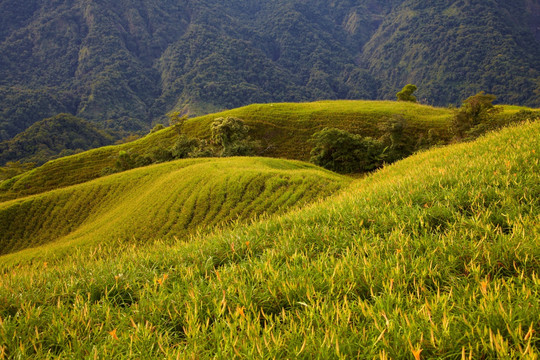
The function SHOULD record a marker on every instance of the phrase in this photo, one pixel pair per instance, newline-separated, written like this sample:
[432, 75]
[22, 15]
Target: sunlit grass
[436, 256]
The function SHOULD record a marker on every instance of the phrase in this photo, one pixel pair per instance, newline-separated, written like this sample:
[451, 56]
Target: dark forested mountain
[125, 63]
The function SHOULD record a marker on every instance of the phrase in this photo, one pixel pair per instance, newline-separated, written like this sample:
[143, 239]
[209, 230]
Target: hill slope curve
[162, 201]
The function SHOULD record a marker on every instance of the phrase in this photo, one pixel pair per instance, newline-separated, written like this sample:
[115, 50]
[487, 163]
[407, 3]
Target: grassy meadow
[435, 256]
[283, 130]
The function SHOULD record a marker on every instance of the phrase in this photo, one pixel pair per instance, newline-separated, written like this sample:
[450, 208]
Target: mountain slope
[47, 139]
[161, 201]
[465, 47]
[127, 63]
[435, 255]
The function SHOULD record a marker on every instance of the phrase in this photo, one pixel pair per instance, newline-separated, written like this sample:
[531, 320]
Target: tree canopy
[406, 94]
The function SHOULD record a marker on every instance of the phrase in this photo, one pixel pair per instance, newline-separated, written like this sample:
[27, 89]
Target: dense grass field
[436, 256]
[173, 199]
[283, 130]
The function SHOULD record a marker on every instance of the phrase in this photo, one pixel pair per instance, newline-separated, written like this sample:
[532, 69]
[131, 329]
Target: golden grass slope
[161, 201]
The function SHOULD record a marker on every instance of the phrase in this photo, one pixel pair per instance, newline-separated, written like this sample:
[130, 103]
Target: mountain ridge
[126, 64]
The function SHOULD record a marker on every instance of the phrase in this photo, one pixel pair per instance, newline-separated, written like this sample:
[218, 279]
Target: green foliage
[451, 49]
[406, 94]
[128, 161]
[437, 255]
[54, 137]
[185, 146]
[230, 134]
[177, 120]
[20, 107]
[476, 112]
[126, 64]
[226, 131]
[157, 127]
[204, 149]
[396, 139]
[341, 151]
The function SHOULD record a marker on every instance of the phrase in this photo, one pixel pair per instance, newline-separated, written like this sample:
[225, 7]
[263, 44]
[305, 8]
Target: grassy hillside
[283, 130]
[160, 202]
[436, 256]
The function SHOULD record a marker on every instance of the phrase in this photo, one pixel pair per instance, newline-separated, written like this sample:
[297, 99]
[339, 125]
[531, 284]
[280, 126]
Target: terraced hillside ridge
[283, 130]
[436, 256]
[162, 201]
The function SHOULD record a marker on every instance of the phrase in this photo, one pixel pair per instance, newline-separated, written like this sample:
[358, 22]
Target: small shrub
[475, 116]
[177, 120]
[398, 145]
[161, 155]
[202, 150]
[184, 146]
[127, 161]
[157, 128]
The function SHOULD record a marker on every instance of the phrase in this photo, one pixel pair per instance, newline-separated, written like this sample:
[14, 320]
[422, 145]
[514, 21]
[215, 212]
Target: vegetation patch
[275, 130]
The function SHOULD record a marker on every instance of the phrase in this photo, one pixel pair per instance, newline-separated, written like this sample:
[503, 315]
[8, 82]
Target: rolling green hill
[436, 256]
[283, 130]
[125, 64]
[161, 201]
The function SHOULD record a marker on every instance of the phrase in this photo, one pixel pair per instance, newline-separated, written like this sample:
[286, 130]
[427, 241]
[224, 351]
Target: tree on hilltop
[406, 94]
[231, 134]
[476, 112]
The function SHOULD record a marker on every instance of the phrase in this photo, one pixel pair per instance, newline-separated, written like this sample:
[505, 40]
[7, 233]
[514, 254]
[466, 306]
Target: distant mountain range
[124, 64]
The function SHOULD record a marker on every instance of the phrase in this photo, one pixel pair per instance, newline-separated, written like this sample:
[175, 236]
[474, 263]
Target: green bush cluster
[478, 115]
[338, 150]
[344, 152]
[406, 94]
[229, 138]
